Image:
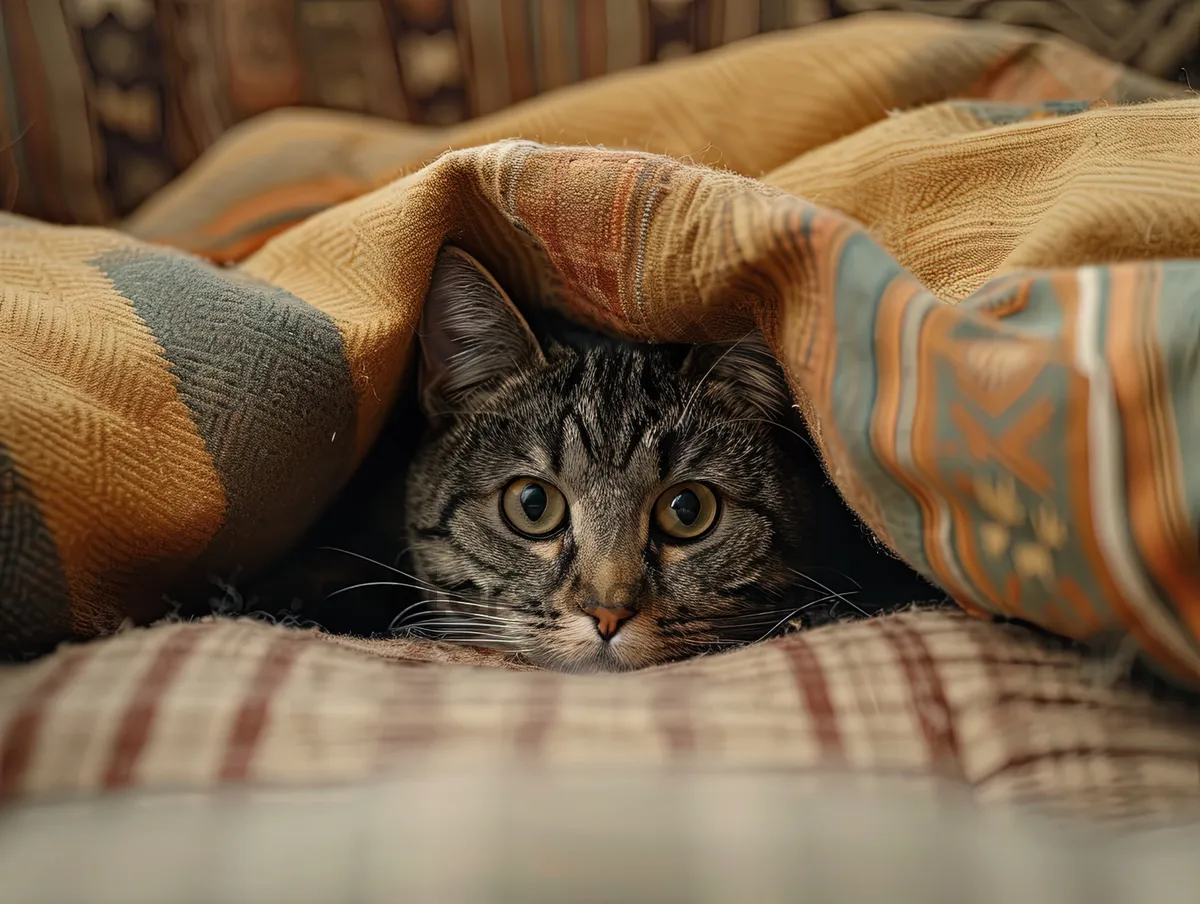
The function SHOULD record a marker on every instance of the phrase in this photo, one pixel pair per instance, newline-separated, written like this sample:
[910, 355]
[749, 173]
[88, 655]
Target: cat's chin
[593, 660]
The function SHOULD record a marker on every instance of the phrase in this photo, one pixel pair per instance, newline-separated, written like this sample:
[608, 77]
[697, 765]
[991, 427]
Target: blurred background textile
[102, 102]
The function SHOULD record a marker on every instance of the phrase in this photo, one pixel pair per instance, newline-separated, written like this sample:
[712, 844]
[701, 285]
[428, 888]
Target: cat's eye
[686, 511]
[533, 507]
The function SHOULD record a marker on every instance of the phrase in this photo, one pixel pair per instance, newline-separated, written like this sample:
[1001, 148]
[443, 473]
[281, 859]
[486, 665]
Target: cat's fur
[612, 425]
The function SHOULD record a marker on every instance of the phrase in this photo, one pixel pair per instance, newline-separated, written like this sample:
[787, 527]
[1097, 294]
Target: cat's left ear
[743, 372]
[472, 335]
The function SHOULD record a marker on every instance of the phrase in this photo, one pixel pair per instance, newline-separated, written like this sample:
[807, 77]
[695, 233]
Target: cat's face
[602, 505]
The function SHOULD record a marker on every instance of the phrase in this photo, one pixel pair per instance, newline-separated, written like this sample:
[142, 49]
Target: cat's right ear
[472, 335]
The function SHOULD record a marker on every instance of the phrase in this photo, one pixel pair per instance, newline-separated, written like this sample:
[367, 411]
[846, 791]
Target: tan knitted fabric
[752, 108]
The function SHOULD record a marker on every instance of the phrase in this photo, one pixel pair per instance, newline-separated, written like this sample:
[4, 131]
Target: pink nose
[608, 621]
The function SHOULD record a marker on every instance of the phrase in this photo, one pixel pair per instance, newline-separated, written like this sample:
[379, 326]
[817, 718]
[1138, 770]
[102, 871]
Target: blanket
[974, 255]
[914, 699]
[1031, 448]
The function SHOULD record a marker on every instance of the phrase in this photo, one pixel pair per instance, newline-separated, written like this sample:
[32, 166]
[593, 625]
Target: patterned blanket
[978, 266]
[915, 698]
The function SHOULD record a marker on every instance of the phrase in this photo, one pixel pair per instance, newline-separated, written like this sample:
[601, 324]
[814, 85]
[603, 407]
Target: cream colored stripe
[70, 120]
[188, 743]
[596, 712]
[328, 717]
[750, 709]
[75, 745]
[877, 719]
[627, 834]
[1106, 477]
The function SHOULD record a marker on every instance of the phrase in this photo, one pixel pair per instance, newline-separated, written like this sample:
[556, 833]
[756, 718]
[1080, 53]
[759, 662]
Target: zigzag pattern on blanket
[160, 417]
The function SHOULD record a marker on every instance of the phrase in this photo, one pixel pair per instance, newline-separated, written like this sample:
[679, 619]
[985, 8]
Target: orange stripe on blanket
[249, 224]
[1052, 71]
[885, 419]
[829, 235]
[934, 341]
[137, 722]
[1157, 516]
[1080, 483]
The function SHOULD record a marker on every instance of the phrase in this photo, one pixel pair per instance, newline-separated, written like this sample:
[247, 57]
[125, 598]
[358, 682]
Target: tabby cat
[596, 504]
[586, 502]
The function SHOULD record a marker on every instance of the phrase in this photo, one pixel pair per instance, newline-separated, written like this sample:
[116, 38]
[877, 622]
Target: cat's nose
[608, 619]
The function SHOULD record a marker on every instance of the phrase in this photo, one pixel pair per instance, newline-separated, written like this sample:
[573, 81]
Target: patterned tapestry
[102, 102]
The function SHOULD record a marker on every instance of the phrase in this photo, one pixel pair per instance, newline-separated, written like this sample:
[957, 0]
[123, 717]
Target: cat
[583, 501]
[597, 504]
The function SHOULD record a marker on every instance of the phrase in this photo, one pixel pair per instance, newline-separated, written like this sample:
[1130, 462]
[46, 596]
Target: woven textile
[107, 101]
[1032, 448]
[751, 108]
[1029, 449]
[914, 696]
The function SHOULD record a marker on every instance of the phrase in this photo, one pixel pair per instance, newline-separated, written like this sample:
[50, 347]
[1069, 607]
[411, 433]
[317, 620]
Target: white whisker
[390, 568]
[470, 639]
[843, 597]
[792, 615]
[436, 622]
[488, 606]
[398, 621]
[388, 584]
[759, 420]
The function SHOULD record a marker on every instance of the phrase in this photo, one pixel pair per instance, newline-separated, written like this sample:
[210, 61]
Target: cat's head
[597, 504]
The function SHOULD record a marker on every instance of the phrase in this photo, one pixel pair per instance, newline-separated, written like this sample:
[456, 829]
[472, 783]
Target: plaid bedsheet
[992, 712]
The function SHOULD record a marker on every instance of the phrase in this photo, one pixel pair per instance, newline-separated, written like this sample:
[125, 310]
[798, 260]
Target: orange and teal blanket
[975, 250]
